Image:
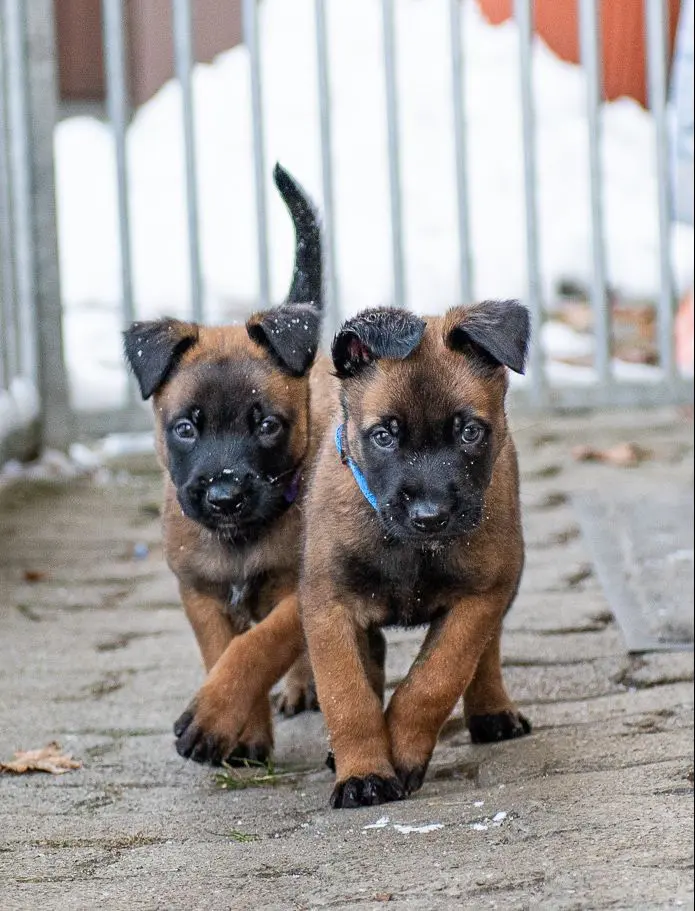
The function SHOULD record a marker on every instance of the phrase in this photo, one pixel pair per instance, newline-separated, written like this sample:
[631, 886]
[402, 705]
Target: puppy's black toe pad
[411, 779]
[305, 701]
[248, 754]
[366, 792]
[493, 728]
[183, 721]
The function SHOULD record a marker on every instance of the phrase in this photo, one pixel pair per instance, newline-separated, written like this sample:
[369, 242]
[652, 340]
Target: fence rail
[30, 350]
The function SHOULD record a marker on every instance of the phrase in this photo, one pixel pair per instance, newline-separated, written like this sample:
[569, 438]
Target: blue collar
[354, 468]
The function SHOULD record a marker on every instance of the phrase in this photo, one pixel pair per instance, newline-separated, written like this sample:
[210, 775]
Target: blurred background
[458, 149]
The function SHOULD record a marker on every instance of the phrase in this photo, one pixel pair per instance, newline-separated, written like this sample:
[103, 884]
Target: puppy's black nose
[225, 496]
[429, 517]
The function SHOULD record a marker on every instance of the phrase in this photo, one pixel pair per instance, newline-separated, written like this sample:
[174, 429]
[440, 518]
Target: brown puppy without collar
[238, 417]
[413, 518]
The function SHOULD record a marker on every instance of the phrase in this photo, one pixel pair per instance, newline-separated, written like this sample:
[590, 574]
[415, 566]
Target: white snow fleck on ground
[404, 829]
[419, 830]
[381, 823]
[87, 201]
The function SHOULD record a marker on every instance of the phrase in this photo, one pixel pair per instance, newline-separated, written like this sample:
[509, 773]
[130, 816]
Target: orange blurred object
[685, 355]
[623, 38]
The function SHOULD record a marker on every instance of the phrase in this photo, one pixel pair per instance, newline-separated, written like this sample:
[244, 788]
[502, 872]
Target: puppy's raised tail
[307, 280]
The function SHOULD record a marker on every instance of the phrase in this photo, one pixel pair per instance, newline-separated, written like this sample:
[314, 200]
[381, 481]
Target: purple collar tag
[292, 492]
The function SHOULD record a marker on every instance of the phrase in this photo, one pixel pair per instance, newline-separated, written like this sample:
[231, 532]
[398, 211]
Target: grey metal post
[524, 18]
[252, 41]
[590, 35]
[392, 121]
[118, 106]
[657, 21]
[20, 178]
[461, 151]
[9, 344]
[332, 305]
[184, 58]
[57, 416]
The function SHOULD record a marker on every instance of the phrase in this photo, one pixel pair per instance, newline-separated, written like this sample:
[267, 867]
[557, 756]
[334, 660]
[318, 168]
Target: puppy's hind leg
[298, 689]
[490, 713]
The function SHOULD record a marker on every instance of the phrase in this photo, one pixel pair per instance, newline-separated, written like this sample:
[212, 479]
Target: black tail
[307, 280]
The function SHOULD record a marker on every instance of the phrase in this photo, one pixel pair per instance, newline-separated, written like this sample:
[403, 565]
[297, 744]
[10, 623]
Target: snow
[419, 830]
[87, 198]
[381, 823]
[19, 405]
[405, 829]
[484, 826]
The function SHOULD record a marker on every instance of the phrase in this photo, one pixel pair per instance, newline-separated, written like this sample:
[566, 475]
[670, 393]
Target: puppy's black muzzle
[428, 517]
[225, 498]
[433, 515]
[221, 500]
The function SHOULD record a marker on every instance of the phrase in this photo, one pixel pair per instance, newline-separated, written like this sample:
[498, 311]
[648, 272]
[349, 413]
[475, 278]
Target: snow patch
[86, 189]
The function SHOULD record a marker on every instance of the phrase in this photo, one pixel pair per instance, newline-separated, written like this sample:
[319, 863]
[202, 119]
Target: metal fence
[29, 287]
[33, 389]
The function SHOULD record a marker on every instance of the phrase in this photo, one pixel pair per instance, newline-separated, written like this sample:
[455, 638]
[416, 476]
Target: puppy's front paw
[503, 726]
[365, 792]
[209, 734]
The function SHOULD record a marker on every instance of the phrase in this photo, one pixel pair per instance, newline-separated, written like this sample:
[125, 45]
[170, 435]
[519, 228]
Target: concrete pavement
[592, 811]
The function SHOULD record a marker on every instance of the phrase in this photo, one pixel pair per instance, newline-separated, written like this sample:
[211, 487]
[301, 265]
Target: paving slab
[642, 549]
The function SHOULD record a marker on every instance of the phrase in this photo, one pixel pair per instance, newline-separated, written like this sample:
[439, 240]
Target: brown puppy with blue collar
[413, 518]
[239, 415]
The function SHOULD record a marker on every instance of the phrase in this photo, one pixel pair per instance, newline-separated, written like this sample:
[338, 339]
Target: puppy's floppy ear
[496, 331]
[374, 334]
[153, 350]
[290, 334]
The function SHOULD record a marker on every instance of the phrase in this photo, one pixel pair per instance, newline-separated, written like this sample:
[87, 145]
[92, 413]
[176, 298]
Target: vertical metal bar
[392, 120]
[657, 25]
[332, 306]
[118, 106]
[461, 151]
[590, 39]
[7, 288]
[524, 19]
[42, 83]
[21, 180]
[252, 41]
[183, 57]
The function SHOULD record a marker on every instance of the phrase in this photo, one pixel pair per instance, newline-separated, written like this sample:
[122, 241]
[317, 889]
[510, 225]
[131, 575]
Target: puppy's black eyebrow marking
[382, 333]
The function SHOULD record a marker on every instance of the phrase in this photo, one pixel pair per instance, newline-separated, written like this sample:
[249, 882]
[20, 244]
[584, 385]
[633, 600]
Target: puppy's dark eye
[185, 430]
[270, 427]
[384, 439]
[472, 433]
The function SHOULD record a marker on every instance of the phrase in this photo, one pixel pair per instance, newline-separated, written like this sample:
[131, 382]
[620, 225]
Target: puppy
[413, 518]
[237, 421]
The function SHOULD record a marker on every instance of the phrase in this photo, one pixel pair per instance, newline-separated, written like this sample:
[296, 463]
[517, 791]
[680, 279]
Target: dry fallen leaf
[623, 455]
[47, 759]
[34, 575]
